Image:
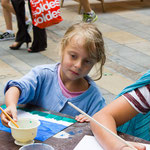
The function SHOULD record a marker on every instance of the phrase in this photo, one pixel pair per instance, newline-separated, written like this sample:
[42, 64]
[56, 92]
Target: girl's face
[76, 62]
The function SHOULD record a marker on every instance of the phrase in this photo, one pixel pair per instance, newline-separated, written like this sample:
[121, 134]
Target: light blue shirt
[40, 87]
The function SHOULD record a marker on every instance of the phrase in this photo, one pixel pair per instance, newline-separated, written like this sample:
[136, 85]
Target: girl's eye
[88, 62]
[73, 56]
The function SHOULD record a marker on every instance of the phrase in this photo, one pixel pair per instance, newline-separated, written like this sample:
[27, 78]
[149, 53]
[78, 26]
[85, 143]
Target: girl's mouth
[74, 73]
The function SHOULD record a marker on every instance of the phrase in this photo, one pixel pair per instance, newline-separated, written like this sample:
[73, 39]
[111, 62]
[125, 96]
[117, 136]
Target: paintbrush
[92, 119]
[9, 117]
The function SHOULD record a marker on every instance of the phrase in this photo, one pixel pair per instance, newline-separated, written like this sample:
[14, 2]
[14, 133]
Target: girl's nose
[78, 64]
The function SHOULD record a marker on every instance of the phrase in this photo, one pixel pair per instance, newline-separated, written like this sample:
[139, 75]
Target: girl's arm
[112, 116]
[11, 100]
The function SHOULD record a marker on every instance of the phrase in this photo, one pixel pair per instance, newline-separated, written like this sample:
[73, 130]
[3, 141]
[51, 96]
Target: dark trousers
[39, 35]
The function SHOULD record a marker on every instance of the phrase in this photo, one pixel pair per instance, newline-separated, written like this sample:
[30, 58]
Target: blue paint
[62, 135]
[46, 129]
[80, 131]
[71, 133]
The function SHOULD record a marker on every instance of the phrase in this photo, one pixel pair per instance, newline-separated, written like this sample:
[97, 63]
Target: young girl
[52, 86]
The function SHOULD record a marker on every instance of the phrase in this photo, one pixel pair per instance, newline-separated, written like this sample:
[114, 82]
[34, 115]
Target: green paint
[3, 106]
[25, 109]
[58, 118]
[30, 121]
[107, 74]
[46, 115]
[50, 116]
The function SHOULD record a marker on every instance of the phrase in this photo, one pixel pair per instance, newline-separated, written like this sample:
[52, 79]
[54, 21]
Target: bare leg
[86, 5]
[7, 8]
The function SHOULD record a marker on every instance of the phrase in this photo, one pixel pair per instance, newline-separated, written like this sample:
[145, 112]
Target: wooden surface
[76, 133]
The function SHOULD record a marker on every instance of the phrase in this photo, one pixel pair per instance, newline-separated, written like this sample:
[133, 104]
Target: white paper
[89, 142]
[24, 114]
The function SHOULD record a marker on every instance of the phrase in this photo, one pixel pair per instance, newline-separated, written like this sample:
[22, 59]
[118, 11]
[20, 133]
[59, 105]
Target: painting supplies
[9, 117]
[92, 119]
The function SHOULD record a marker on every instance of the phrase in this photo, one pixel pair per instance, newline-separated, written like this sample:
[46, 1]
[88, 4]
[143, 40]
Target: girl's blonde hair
[93, 42]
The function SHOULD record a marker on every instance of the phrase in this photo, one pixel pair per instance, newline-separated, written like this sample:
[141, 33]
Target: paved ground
[126, 30]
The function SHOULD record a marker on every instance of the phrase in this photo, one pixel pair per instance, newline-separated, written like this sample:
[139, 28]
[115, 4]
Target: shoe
[18, 45]
[31, 50]
[89, 17]
[7, 36]
[29, 26]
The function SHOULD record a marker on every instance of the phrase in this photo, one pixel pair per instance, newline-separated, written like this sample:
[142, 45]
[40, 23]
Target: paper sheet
[89, 142]
[50, 124]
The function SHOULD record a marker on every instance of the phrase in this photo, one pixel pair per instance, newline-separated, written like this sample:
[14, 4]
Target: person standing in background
[8, 10]
[88, 15]
[39, 35]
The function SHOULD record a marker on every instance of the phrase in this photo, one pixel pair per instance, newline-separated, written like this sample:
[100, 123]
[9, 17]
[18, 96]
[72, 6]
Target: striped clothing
[139, 99]
[139, 125]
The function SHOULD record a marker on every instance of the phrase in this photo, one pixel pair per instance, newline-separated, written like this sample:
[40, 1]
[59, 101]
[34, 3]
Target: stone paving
[125, 26]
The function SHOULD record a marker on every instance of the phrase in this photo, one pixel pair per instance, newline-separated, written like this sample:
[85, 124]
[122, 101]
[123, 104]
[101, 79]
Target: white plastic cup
[26, 132]
[37, 146]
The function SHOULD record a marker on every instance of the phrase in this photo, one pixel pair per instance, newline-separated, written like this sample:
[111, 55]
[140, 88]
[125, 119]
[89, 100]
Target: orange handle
[9, 117]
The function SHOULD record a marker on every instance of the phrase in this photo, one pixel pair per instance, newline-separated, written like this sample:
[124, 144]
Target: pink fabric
[65, 91]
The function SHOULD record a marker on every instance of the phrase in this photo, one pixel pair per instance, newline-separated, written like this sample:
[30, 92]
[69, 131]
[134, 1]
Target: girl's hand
[138, 146]
[12, 112]
[81, 118]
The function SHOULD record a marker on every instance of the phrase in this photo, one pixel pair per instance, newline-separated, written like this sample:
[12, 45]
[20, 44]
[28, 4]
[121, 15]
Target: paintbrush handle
[82, 112]
[9, 117]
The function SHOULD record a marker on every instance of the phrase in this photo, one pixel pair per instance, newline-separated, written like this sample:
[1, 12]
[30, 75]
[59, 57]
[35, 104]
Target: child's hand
[12, 112]
[138, 146]
[81, 118]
